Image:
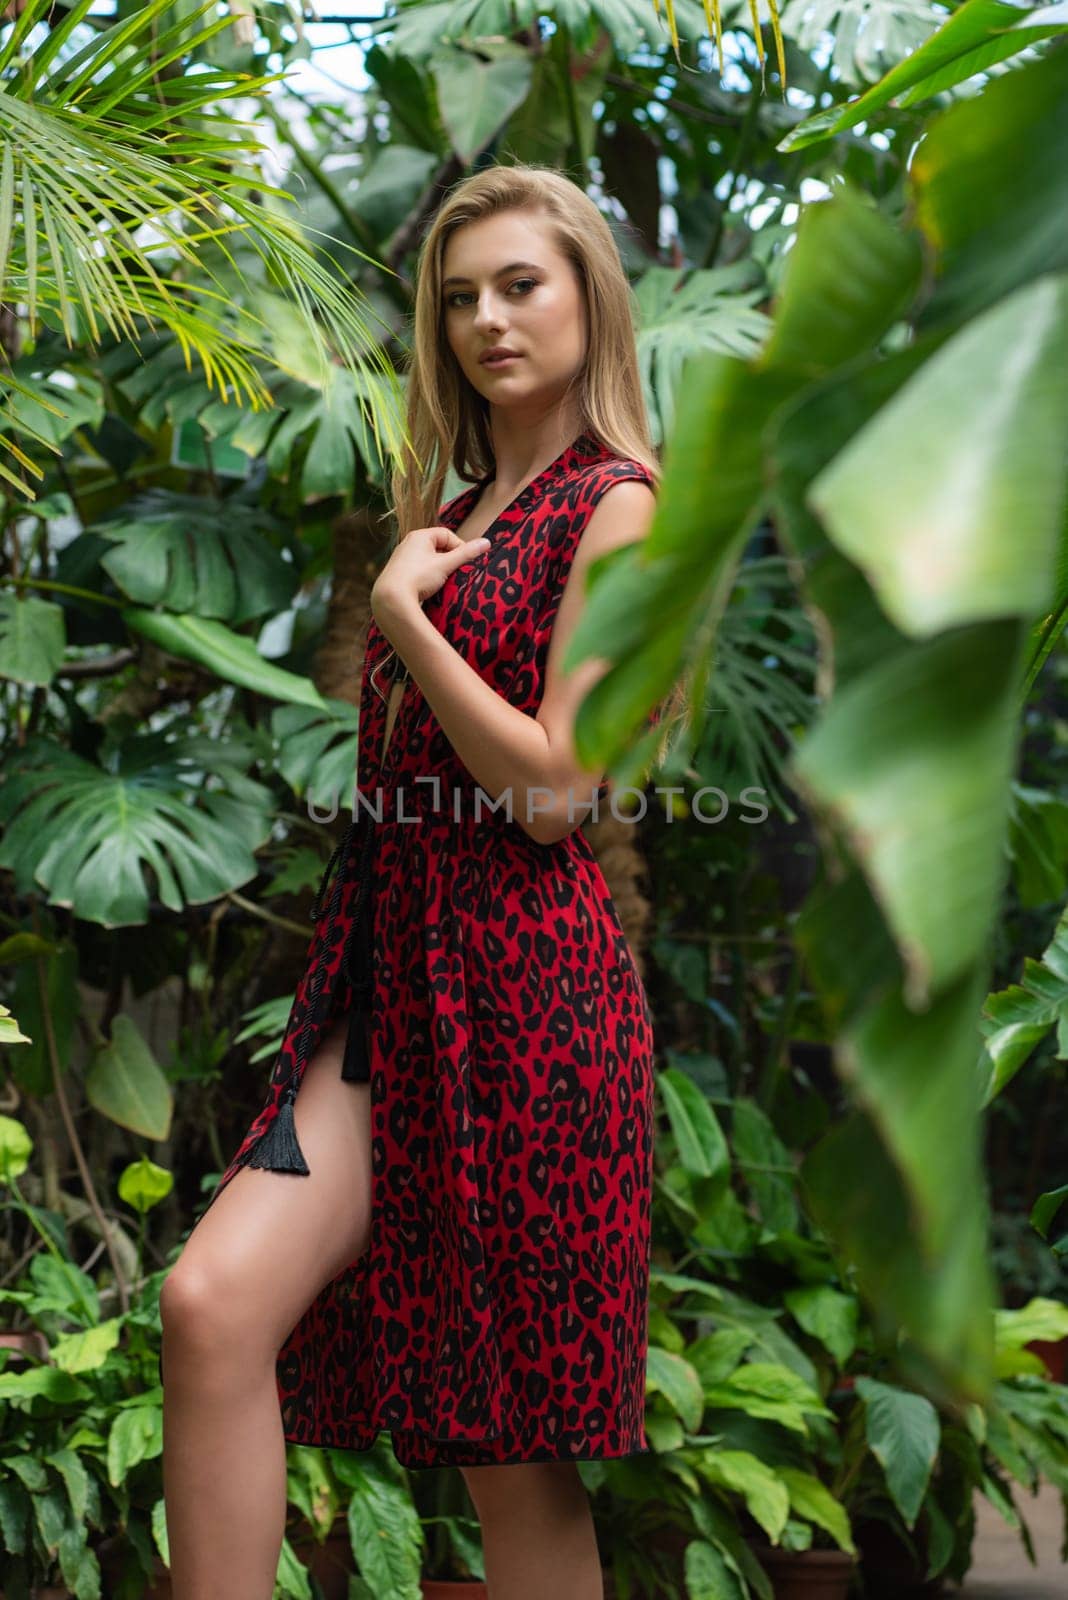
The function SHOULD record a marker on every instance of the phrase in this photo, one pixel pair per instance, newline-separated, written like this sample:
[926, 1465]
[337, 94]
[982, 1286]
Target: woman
[445, 1234]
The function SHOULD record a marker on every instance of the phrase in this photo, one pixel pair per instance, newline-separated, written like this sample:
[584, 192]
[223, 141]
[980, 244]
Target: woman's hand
[417, 569]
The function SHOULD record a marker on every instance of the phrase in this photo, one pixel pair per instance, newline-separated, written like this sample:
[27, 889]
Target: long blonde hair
[448, 420]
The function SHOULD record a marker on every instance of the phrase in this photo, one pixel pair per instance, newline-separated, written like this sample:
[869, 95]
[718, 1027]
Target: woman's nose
[488, 317]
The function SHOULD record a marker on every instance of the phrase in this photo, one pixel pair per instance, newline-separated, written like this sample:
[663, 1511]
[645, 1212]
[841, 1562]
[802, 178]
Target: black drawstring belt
[357, 966]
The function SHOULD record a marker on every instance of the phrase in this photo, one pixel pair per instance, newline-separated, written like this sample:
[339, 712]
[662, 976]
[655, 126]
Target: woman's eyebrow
[513, 266]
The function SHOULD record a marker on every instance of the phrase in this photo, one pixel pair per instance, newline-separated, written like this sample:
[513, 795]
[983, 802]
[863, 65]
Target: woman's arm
[502, 747]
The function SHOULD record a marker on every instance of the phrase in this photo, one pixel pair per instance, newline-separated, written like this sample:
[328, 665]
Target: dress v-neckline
[459, 509]
[454, 514]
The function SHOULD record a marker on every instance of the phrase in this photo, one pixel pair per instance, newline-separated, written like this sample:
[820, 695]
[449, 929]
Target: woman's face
[505, 283]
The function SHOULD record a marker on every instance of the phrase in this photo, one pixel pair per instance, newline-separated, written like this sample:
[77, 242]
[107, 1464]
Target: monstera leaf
[212, 558]
[715, 309]
[86, 833]
[317, 752]
[325, 414]
[418, 32]
[868, 37]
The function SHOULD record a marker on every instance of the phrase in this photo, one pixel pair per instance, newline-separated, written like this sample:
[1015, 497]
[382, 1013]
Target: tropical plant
[178, 610]
[1015, 1022]
[104, 226]
[897, 346]
[777, 1410]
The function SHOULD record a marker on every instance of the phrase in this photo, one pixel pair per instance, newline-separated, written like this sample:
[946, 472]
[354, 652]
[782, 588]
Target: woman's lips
[499, 361]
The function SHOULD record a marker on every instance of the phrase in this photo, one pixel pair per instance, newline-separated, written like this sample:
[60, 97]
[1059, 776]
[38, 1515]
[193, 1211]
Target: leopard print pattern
[499, 1313]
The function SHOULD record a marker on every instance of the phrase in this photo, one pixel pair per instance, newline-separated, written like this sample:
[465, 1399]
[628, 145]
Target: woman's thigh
[271, 1240]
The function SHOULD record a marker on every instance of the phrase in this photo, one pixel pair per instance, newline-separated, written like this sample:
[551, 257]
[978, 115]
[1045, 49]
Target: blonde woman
[445, 1233]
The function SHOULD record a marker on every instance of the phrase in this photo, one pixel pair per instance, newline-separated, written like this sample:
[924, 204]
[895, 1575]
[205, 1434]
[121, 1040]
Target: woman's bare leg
[251, 1266]
[537, 1531]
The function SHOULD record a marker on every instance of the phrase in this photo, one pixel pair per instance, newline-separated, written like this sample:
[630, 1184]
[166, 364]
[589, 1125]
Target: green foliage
[125, 1084]
[859, 559]
[317, 752]
[702, 1147]
[81, 1442]
[15, 1148]
[10, 1032]
[32, 639]
[44, 988]
[82, 832]
[976, 37]
[1017, 1019]
[228, 655]
[385, 1530]
[830, 1434]
[706, 310]
[903, 1434]
[143, 1184]
[191, 554]
[828, 1315]
[79, 160]
[266, 1021]
[904, 528]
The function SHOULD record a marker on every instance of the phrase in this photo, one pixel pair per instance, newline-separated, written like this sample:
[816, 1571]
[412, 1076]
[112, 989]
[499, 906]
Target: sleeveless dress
[500, 1311]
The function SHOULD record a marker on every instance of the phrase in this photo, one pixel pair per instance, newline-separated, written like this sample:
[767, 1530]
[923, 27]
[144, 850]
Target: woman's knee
[199, 1309]
[205, 1309]
[210, 1340]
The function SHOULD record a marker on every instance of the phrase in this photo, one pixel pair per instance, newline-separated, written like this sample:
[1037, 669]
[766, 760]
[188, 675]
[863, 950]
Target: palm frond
[109, 226]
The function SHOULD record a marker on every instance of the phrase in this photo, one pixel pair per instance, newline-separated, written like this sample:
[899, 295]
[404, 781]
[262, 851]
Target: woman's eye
[458, 294]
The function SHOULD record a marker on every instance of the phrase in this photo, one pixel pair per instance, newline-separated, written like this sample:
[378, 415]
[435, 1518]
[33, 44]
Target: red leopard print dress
[500, 1311]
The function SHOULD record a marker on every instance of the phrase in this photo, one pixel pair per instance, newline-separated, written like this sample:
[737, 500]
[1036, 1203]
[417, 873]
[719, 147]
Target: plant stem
[72, 1132]
[268, 916]
[66, 588]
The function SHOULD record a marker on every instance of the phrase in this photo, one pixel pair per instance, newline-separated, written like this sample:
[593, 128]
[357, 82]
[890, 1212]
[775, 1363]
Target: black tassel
[278, 1149]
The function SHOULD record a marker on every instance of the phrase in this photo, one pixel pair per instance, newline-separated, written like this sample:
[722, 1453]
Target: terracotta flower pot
[1054, 1352]
[807, 1574]
[890, 1569]
[109, 1553]
[329, 1563]
[32, 1343]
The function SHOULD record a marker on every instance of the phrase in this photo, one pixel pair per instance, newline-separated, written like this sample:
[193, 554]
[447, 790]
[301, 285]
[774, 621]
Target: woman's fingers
[464, 550]
[443, 538]
[411, 570]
